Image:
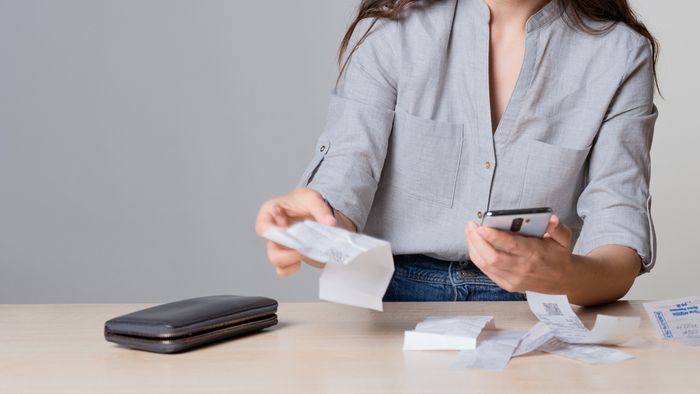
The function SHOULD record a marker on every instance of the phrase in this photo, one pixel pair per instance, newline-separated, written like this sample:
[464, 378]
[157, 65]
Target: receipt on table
[677, 320]
[541, 338]
[534, 339]
[555, 311]
[447, 333]
[592, 354]
[485, 347]
[494, 350]
[358, 267]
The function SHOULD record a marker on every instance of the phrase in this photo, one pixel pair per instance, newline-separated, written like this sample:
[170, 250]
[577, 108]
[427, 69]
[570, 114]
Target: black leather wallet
[184, 325]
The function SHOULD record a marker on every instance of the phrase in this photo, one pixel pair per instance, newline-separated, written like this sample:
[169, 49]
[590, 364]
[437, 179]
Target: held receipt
[358, 267]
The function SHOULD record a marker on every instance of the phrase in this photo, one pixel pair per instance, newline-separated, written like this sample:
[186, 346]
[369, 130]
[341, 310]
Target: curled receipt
[555, 311]
[358, 267]
[542, 338]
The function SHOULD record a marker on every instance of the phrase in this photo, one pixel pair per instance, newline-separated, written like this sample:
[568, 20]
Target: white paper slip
[534, 339]
[493, 351]
[358, 267]
[555, 311]
[447, 333]
[592, 354]
[327, 244]
[677, 320]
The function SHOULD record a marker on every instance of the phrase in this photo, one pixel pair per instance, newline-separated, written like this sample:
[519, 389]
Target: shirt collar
[541, 18]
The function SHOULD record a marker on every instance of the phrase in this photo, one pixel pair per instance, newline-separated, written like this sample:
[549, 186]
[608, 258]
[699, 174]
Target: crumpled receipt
[494, 350]
[358, 267]
[542, 338]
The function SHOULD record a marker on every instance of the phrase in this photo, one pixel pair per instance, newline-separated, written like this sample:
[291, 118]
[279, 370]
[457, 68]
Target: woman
[446, 109]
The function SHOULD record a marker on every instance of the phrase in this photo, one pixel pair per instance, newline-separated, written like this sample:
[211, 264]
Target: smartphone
[530, 222]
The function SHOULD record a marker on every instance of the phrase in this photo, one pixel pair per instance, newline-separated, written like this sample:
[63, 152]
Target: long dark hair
[577, 11]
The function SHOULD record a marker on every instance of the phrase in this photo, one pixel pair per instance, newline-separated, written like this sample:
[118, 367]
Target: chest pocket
[553, 176]
[423, 158]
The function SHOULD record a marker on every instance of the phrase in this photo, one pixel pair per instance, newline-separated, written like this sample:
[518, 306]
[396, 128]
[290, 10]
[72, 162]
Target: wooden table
[318, 347]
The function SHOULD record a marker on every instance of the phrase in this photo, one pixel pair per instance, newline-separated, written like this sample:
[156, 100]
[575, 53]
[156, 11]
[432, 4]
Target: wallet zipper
[199, 330]
[200, 338]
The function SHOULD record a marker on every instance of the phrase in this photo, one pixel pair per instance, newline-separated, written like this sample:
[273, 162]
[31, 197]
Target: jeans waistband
[424, 268]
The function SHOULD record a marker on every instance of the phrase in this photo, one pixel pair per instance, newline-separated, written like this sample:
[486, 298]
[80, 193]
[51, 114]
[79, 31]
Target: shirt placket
[493, 145]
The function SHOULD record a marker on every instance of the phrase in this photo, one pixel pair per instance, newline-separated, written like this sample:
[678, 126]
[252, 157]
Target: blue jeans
[421, 278]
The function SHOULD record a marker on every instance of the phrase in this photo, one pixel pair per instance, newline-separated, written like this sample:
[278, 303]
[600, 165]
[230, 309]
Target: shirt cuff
[344, 200]
[621, 226]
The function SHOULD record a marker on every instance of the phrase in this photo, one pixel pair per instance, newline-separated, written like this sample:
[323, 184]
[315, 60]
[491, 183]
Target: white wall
[675, 158]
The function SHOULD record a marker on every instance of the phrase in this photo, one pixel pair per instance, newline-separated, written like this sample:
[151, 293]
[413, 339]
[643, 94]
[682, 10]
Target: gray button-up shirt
[408, 152]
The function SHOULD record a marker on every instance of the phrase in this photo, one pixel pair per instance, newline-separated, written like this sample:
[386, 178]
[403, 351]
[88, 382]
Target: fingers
[484, 250]
[490, 258]
[497, 275]
[503, 241]
[474, 254]
[319, 209]
[273, 213]
[298, 205]
[288, 270]
[307, 203]
[267, 217]
[281, 256]
[288, 261]
[558, 232]
[280, 216]
[314, 263]
[552, 225]
[282, 212]
[500, 278]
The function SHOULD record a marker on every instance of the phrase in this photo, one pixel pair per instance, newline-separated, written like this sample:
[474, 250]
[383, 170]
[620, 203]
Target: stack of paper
[358, 267]
[447, 333]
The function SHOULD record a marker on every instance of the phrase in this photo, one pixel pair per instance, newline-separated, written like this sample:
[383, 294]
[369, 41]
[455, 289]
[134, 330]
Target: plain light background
[139, 137]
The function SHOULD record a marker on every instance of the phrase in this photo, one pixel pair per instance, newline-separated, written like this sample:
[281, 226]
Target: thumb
[321, 211]
[558, 232]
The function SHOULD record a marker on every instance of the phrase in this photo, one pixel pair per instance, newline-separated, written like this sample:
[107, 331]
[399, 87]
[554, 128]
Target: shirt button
[479, 215]
[323, 148]
[487, 165]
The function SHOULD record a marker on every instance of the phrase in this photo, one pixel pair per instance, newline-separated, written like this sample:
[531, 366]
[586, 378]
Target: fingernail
[471, 225]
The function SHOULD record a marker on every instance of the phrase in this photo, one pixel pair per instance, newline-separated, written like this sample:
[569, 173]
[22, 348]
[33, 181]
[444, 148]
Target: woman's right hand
[299, 204]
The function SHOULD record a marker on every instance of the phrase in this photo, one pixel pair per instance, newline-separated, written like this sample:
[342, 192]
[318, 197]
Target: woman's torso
[444, 165]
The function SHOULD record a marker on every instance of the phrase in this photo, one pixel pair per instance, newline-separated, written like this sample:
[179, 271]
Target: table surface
[319, 347]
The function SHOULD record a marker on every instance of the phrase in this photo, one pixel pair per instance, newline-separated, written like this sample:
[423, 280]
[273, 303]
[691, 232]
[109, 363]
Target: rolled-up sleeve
[350, 152]
[615, 204]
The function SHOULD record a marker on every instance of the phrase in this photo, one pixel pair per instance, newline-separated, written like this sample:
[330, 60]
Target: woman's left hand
[518, 263]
